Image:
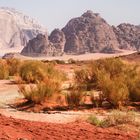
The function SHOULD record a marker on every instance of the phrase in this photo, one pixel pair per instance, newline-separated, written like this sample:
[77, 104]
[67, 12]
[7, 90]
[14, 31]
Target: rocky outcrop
[89, 33]
[16, 29]
[128, 36]
[57, 37]
[41, 46]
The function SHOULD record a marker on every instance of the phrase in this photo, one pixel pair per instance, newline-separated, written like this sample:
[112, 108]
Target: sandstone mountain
[43, 45]
[88, 33]
[16, 29]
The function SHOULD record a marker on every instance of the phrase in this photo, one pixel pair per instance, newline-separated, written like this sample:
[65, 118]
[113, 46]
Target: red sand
[13, 129]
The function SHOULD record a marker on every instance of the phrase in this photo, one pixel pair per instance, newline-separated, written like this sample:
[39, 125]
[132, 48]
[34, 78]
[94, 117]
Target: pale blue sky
[56, 13]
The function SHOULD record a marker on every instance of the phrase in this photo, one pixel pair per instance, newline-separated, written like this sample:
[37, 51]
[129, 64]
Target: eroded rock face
[42, 46]
[128, 36]
[37, 46]
[57, 37]
[89, 33]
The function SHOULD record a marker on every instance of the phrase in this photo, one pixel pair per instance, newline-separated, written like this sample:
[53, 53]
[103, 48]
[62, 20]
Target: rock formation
[57, 37]
[89, 33]
[128, 36]
[41, 46]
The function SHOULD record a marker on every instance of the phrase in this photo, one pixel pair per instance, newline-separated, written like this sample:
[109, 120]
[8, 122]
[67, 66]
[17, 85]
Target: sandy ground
[9, 93]
[14, 129]
[16, 125]
[88, 56]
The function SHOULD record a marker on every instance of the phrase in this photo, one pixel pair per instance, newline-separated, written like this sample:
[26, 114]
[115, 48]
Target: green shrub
[134, 91]
[83, 79]
[118, 118]
[108, 76]
[95, 121]
[4, 70]
[14, 66]
[71, 61]
[40, 92]
[74, 97]
[114, 119]
[55, 74]
[36, 71]
[133, 82]
[114, 90]
[33, 71]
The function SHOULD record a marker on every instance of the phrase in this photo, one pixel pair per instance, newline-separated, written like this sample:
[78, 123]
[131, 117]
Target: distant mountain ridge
[88, 33]
[16, 29]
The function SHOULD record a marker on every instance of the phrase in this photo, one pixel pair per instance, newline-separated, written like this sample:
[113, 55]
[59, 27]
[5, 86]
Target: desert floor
[17, 125]
[63, 125]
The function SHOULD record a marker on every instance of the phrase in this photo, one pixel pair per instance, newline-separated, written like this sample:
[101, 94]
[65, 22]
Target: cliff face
[89, 33]
[16, 29]
[128, 36]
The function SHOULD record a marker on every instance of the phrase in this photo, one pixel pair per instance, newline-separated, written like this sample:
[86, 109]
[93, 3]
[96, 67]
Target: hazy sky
[56, 13]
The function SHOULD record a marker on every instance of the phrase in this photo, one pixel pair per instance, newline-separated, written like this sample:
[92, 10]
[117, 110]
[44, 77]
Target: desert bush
[14, 66]
[83, 79]
[36, 71]
[58, 61]
[33, 71]
[40, 92]
[114, 119]
[71, 61]
[95, 121]
[97, 99]
[111, 76]
[117, 118]
[74, 97]
[4, 69]
[134, 91]
[133, 82]
[114, 90]
[113, 66]
[55, 74]
[89, 77]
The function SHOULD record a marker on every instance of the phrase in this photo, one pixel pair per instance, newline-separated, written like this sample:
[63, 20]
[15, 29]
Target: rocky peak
[89, 33]
[90, 14]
